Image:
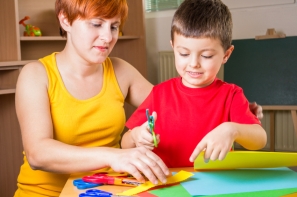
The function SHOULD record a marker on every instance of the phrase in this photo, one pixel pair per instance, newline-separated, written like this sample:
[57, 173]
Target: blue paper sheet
[240, 180]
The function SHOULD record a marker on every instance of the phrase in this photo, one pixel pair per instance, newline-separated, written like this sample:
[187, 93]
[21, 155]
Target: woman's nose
[106, 35]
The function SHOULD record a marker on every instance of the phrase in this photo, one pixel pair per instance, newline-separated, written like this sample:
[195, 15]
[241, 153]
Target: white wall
[247, 23]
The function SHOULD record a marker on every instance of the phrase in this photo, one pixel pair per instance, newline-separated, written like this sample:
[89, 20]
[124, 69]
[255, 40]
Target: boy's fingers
[149, 147]
[154, 114]
[196, 152]
[222, 155]
[158, 138]
[207, 154]
[215, 155]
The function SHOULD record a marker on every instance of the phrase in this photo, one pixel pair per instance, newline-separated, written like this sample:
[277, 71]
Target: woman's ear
[64, 23]
[228, 54]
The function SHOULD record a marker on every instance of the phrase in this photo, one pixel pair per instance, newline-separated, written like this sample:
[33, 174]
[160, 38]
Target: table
[70, 191]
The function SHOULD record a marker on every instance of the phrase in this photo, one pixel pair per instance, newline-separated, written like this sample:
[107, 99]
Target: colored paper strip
[172, 191]
[178, 177]
[146, 194]
[241, 180]
[291, 195]
[269, 193]
[248, 159]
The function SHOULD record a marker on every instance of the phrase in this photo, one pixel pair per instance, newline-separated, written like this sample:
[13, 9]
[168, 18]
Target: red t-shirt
[185, 115]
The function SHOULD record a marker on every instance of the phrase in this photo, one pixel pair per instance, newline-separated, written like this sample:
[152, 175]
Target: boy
[197, 111]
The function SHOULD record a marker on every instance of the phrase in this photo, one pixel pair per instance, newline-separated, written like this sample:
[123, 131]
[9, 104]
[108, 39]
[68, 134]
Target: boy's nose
[195, 62]
[195, 65]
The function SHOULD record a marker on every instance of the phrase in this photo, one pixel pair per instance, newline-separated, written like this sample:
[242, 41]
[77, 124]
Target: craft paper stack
[240, 174]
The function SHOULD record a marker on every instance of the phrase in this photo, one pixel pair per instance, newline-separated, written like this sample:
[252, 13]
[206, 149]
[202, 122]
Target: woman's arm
[134, 86]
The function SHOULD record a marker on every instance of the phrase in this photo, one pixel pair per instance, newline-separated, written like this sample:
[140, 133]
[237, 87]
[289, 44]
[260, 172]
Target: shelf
[7, 91]
[42, 38]
[3, 65]
[59, 38]
[128, 37]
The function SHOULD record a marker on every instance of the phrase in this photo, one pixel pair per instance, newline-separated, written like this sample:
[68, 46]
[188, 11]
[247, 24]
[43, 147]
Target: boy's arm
[243, 127]
[251, 137]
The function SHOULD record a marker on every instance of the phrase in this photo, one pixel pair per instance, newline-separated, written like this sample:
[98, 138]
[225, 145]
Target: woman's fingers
[140, 160]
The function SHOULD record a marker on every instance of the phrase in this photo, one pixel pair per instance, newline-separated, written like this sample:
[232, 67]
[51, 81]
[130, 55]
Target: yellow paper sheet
[291, 195]
[178, 177]
[248, 159]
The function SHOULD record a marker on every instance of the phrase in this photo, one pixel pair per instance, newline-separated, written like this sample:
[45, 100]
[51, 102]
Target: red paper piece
[146, 194]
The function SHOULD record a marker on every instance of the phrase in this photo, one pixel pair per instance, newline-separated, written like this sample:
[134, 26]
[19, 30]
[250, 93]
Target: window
[158, 5]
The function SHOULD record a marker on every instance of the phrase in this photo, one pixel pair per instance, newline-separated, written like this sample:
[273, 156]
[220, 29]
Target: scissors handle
[151, 124]
[80, 184]
[98, 193]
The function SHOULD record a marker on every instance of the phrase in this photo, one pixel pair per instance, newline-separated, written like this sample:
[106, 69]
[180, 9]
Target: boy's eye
[207, 56]
[183, 54]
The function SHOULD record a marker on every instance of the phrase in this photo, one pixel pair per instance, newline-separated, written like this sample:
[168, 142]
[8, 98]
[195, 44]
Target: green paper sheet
[248, 159]
[269, 193]
[172, 191]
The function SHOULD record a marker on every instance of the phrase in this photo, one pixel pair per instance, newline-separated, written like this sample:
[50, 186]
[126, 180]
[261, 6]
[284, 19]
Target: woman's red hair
[86, 9]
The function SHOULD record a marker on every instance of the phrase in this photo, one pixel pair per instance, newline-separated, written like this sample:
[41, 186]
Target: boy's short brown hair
[86, 9]
[203, 18]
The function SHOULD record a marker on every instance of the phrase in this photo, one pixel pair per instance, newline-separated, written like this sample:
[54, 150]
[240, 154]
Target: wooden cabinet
[17, 50]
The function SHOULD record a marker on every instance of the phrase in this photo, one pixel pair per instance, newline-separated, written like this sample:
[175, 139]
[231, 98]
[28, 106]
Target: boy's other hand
[142, 137]
[256, 109]
[216, 143]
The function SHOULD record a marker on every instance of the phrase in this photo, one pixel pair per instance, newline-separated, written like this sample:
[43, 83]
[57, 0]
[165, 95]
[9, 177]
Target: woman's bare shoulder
[33, 72]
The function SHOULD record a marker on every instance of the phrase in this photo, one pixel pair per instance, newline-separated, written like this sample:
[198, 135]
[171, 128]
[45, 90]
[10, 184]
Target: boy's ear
[171, 44]
[63, 21]
[228, 54]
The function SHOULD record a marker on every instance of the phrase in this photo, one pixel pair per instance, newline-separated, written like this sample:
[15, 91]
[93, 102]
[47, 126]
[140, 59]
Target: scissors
[108, 179]
[151, 123]
[97, 193]
[80, 184]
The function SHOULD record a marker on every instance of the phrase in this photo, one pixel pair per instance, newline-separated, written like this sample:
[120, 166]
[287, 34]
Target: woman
[70, 104]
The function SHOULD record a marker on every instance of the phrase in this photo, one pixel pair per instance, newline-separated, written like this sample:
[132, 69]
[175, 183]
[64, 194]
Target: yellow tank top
[97, 121]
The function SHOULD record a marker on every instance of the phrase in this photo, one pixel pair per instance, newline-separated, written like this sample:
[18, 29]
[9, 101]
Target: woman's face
[93, 39]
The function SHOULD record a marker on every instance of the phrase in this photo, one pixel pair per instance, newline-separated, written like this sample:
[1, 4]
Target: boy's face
[198, 60]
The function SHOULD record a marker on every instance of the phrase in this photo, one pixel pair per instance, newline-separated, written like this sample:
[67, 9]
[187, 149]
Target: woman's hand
[138, 161]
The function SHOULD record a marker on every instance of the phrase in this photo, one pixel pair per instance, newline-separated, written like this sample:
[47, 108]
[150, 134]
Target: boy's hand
[142, 137]
[216, 143]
